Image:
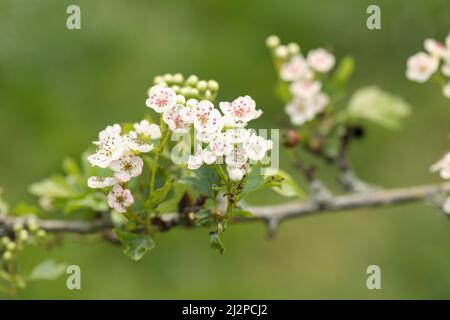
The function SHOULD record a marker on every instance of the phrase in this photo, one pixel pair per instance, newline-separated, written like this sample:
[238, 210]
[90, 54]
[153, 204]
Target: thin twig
[272, 215]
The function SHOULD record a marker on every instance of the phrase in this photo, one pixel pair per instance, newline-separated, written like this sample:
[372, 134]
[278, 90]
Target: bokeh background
[58, 88]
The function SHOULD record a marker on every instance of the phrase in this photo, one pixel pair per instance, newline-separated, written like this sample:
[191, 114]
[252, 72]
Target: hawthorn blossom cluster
[443, 166]
[423, 65]
[303, 75]
[219, 135]
[120, 153]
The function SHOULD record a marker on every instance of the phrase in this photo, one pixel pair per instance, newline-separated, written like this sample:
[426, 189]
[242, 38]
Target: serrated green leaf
[255, 180]
[203, 218]
[205, 181]
[47, 270]
[285, 185]
[242, 213]
[378, 106]
[216, 242]
[136, 245]
[95, 201]
[158, 195]
[54, 187]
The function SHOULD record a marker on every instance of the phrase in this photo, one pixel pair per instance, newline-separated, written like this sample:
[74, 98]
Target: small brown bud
[290, 138]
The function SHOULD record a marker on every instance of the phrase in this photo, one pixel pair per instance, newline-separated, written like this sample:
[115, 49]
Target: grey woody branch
[272, 215]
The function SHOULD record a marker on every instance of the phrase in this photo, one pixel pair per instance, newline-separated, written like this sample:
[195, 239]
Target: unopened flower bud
[32, 225]
[7, 255]
[192, 80]
[272, 41]
[168, 78]
[17, 226]
[5, 240]
[23, 235]
[281, 52]
[293, 48]
[11, 246]
[181, 99]
[194, 92]
[208, 94]
[213, 85]
[178, 78]
[158, 79]
[202, 85]
[41, 233]
[291, 138]
[176, 88]
[185, 91]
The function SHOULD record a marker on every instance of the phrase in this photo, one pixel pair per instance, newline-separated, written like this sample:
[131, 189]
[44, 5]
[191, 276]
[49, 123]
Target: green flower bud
[17, 226]
[11, 246]
[158, 79]
[7, 255]
[185, 91]
[202, 85]
[281, 52]
[5, 240]
[168, 78]
[181, 99]
[293, 48]
[194, 92]
[23, 235]
[208, 94]
[272, 41]
[213, 85]
[32, 225]
[192, 80]
[176, 88]
[41, 233]
[178, 78]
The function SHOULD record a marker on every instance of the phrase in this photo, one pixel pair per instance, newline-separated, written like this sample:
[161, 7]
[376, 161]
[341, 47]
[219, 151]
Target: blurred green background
[58, 88]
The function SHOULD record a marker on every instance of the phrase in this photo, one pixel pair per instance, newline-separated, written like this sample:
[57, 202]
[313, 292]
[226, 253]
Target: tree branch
[272, 215]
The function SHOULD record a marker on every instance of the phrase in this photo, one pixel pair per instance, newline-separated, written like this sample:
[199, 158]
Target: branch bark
[272, 215]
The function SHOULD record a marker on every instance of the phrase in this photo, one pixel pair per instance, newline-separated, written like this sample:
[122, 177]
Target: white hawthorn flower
[100, 182]
[205, 136]
[446, 90]
[443, 166]
[240, 111]
[296, 68]
[206, 117]
[421, 66]
[445, 69]
[305, 88]
[110, 147]
[161, 98]
[237, 157]
[127, 167]
[219, 145]
[320, 60]
[301, 109]
[172, 117]
[435, 48]
[148, 129]
[137, 142]
[446, 206]
[256, 147]
[120, 199]
[234, 136]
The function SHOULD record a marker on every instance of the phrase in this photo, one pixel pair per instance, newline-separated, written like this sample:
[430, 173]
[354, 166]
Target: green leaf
[203, 218]
[95, 201]
[54, 187]
[47, 270]
[242, 213]
[205, 181]
[136, 245]
[378, 106]
[255, 180]
[216, 242]
[343, 72]
[24, 209]
[284, 184]
[72, 170]
[160, 194]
